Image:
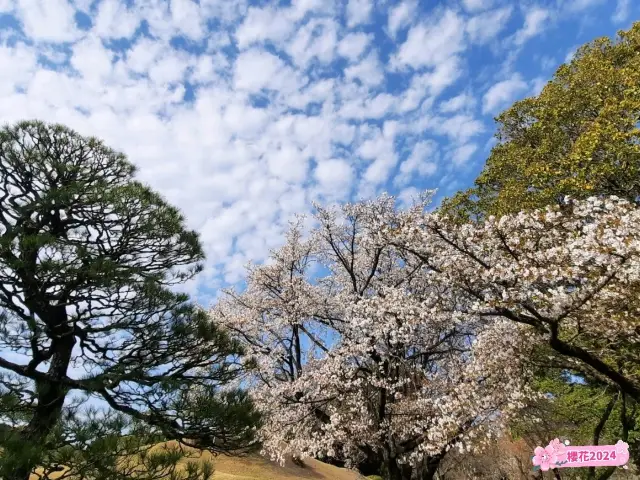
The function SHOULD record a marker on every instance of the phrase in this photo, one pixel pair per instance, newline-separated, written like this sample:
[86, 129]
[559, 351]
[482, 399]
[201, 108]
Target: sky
[242, 113]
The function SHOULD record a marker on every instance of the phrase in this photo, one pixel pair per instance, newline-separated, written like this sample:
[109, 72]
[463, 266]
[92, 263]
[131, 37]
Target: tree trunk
[397, 471]
[430, 467]
[24, 453]
[598, 431]
[371, 465]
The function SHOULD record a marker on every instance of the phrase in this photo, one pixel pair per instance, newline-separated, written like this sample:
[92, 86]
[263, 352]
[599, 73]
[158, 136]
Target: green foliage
[574, 410]
[89, 257]
[99, 445]
[578, 412]
[578, 137]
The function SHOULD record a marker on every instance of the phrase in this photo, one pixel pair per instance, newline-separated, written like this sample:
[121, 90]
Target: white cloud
[380, 105]
[407, 196]
[622, 11]
[368, 107]
[257, 69]
[288, 163]
[354, 44]
[459, 102]
[169, 68]
[485, 26]
[142, 55]
[458, 128]
[299, 8]
[262, 24]
[48, 20]
[379, 147]
[203, 70]
[319, 92]
[82, 5]
[21, 63]
[490, 144]
[359, 11]
[432, 42]
[502, 93]
[157, 14]
[92, 60]
[570, 54]
[400, 16]
[475, 5]
[422, 162]
[187, 18]
[369, 71]
[6, 6]
[114, 20]
[413, 96]
[463, 153]
[315, 40]
[244, 121]
[431, 83]
[537, 85]
[271, 24]
[444, 75]
[534, 22]
[334, 176]
[548, 62]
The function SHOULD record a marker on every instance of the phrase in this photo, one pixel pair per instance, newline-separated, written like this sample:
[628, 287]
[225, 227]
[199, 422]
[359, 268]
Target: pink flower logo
[622, 447]
[622, 450]
[543, 457]
[552, 454]
[559, 451]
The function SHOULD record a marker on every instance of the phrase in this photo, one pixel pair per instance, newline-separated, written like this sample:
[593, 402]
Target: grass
[255, 467]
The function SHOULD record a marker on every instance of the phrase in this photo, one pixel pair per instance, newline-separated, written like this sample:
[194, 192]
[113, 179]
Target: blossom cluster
[570, 272]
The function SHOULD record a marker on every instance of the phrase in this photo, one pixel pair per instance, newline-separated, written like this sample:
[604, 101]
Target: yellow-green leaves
[578, 137]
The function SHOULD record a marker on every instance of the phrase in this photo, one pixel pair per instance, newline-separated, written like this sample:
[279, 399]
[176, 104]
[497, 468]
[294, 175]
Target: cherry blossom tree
[570, 273]
[361, 358]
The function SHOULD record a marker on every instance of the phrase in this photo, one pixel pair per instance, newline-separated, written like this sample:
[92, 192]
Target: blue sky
[243, 113]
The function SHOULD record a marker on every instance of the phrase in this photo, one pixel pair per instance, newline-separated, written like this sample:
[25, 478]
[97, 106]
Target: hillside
[258, 468]
[255, 467]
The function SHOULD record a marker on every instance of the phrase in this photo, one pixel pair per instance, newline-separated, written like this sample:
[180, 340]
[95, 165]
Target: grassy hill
[258, 468]
[255, 467]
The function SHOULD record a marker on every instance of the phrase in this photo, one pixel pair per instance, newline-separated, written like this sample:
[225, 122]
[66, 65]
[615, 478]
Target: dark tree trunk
[598, 431]
[370, 466]
[397, 471]
[51, 396]
[430, 467]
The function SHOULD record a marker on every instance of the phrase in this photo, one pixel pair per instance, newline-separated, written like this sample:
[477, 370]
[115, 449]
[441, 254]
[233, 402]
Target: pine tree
[88, 261]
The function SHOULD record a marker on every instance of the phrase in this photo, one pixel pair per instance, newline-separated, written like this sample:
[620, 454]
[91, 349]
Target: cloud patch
[502, 93]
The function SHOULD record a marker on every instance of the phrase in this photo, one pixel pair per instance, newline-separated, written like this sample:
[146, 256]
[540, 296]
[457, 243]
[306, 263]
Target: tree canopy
[579, 137]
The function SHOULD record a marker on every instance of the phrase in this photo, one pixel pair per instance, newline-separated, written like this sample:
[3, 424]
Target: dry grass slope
[258, 468]
[255, 467]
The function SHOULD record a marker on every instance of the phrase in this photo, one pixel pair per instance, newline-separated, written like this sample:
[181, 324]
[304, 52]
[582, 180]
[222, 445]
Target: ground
[255, 467]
